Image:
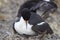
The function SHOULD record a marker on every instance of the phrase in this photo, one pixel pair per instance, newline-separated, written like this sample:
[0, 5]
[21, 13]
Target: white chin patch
[47, 0]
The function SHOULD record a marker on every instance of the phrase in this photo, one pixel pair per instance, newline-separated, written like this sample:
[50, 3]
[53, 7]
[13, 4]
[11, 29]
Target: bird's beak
[26, 23]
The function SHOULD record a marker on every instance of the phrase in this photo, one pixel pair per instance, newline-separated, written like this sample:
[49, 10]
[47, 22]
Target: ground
[8, 12]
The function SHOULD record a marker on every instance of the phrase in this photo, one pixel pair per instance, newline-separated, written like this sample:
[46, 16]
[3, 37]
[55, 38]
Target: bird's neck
[26, 23]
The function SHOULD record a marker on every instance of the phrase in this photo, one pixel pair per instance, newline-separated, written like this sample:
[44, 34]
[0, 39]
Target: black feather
[42, 28]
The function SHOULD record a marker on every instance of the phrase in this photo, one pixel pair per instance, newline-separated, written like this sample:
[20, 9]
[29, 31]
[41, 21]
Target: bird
[28, 4]
[31, 24]
[46, 6]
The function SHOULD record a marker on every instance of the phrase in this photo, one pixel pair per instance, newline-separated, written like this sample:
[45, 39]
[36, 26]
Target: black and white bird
[31, 24]
[29, 4]
[46, 6]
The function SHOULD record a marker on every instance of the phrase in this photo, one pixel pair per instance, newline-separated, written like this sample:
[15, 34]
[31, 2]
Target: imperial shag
[31, 24]
[46, 6]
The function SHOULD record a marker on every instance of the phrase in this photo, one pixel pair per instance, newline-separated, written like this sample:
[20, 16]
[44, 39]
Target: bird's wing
[34, 19]
[42, 27]
[39, 24]
[36, 6]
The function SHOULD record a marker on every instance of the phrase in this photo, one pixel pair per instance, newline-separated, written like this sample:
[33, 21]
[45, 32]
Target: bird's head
[25, 13]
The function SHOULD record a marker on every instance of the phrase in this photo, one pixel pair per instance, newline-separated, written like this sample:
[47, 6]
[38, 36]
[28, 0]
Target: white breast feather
[20, 27]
